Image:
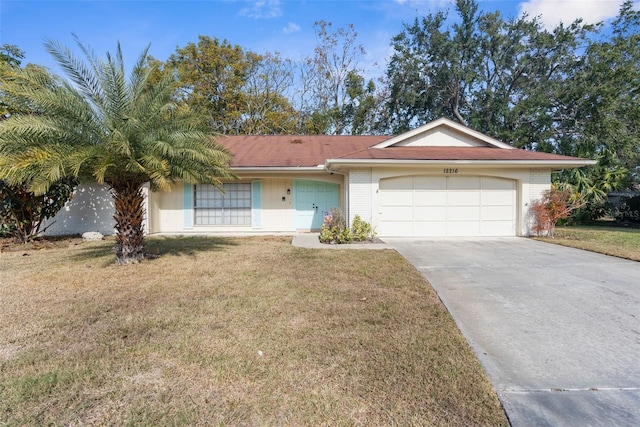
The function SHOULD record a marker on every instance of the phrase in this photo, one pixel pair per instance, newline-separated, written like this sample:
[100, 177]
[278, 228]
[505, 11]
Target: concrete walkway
[557, 329]
[312, 241]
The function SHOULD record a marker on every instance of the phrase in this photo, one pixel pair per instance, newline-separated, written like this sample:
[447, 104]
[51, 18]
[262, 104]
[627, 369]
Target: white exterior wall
[530, 183]
[91, 209]
[539, 182]
[359, 195]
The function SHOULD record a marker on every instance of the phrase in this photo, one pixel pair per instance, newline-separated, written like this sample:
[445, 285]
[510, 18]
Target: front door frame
[312, 200]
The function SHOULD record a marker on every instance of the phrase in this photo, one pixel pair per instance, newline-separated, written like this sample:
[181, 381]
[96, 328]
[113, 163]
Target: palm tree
[100, 126]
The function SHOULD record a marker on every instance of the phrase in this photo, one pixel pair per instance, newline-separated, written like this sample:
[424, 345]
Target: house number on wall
[447, 170]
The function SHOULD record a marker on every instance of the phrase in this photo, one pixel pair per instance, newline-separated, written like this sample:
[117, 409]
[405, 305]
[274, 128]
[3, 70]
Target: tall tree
[604, 119]
[241, 91]
[498, 76]
[326, 78]
[104, 127]
[432, 71]
[11, 56]
[608, 99]
[267, 109]
[212, 77]
[361, 111]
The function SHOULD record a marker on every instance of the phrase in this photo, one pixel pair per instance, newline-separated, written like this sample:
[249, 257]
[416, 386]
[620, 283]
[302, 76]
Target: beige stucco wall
[364, 200]
[165, 210]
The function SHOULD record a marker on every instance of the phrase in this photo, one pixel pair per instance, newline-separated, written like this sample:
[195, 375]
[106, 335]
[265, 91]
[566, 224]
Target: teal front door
[312, 199]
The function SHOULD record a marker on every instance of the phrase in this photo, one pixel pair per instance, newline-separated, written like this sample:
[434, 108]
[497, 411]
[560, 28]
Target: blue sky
[266, 25]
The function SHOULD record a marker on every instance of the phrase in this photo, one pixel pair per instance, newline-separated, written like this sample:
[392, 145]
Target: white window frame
[213, 208]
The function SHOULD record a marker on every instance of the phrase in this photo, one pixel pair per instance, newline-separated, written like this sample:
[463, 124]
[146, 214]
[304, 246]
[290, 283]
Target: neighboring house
[442, 179]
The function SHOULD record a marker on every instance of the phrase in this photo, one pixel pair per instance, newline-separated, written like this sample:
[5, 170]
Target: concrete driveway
[557, 329]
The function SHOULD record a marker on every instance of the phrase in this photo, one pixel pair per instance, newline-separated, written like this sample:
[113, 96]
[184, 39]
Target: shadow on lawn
[186, 245]
[156, 248]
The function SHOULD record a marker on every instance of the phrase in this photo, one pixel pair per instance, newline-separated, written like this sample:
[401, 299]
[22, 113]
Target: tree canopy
[240, 91]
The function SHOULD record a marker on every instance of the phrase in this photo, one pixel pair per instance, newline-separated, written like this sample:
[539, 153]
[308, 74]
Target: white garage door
[426, 206]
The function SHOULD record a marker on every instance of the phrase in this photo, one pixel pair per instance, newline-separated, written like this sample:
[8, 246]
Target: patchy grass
[616, 241]
[231, 331]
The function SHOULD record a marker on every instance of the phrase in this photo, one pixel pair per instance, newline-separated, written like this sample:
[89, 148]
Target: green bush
[361, 230]
[591, 211]
[334, 229]
[22, 212]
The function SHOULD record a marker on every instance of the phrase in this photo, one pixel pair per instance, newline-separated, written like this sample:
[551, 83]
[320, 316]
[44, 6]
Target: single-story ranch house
[441, 179]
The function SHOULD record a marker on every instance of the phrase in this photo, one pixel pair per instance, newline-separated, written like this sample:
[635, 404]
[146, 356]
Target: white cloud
[263, 9]
[552, 12]
[291, 28]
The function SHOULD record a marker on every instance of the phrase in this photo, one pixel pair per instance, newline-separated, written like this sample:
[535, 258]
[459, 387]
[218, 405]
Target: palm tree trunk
[129, 216]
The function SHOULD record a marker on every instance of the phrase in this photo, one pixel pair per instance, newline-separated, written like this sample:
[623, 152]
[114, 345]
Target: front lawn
[616, 241]
[230, 331]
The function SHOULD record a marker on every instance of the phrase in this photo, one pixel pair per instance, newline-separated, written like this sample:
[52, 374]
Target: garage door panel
[463, 213]
[468, 183]
[500, 184]
[430, 183]
[430, 213]
[403, 213]
[430, 198]
[395, 184]
[463, 198]
[447, 206]
[496, 213]
[398, 198]
[498, 197]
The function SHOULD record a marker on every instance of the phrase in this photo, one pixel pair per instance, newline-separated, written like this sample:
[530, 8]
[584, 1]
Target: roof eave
[556, 164]
[278, 169]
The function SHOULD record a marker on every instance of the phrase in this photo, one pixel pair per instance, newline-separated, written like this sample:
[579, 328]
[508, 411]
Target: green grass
[233, 331]
[616, 241]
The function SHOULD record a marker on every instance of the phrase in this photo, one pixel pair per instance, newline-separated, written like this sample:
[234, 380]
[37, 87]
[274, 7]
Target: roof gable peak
[443, 133]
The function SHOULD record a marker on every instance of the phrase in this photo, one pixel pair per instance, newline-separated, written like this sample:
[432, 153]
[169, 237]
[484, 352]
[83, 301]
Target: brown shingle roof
[453, 153]
[293, 150]
[313, 150]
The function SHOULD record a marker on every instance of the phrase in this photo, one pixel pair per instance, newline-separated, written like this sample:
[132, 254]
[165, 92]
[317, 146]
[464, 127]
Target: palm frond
[104, 125]
[140, 74]
[85, 77]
